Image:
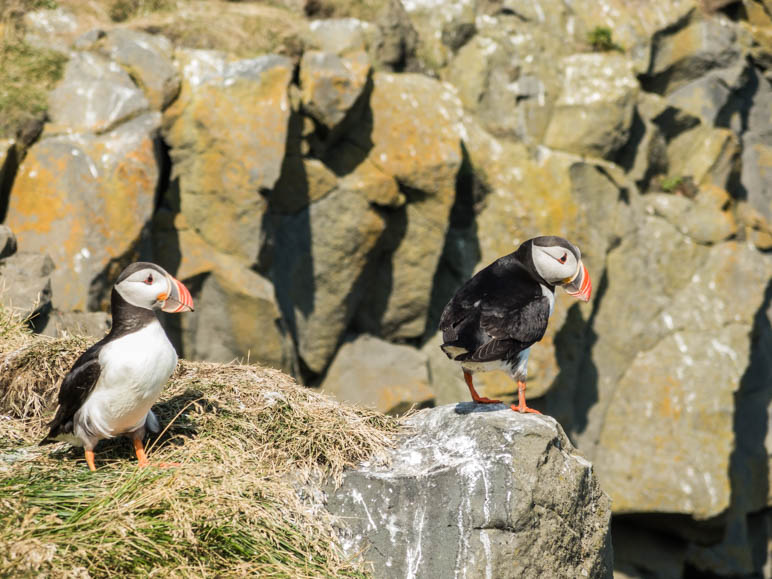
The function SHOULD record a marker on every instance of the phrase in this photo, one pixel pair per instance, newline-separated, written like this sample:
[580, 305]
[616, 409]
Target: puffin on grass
[111, 388]
[494, 318]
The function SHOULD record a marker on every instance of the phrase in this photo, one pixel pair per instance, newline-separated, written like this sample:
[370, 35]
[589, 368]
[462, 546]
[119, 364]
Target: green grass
[27, 74]
[671, 184]
[601, 39]
[246, 438]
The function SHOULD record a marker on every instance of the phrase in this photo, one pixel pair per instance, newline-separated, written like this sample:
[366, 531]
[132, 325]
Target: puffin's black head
[149, 286]
[559, 262]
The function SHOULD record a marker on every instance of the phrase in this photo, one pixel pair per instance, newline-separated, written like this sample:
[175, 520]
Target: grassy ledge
[247, 439]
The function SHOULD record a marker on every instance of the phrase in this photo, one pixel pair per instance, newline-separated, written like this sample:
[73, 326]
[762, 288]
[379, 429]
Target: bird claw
[485, 400]
[524, 409]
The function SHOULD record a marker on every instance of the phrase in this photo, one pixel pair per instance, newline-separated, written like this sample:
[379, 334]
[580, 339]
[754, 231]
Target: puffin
[494, 318]
[110, 389]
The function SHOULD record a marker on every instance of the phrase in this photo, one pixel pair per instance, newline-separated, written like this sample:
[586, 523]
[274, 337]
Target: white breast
[135, 368]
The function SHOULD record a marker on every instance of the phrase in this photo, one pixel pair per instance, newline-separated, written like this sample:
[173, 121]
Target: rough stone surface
[446, 377]
[756, 173]
[54, 28]
[595, 109]
[340, 35]
[237, 318]
[25, 283]
[512, 91]
[309, 181]
[227, 132]
[684, 54]
[680, 391]
[94, 94]
[378, 187]
[369, 371]
[706, 154]
[516, 501]
[319, 268]
[707, 219]
[148, 58]
[331, 84]
[395, 38]
[708, 96]
[416, 138]
[85, 200]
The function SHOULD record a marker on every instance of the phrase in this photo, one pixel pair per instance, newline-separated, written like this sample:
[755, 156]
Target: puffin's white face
[559, 262]
[150, 287]
[556, 264]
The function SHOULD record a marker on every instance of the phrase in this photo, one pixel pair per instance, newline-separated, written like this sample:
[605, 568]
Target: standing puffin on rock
[492, 321]
[111, 388]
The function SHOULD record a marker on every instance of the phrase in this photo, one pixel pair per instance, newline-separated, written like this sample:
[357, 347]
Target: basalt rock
[478, 492]
[85, 200]
[227, 132]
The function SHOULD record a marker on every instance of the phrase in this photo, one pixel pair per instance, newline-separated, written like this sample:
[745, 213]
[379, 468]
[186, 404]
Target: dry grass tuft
[247, 439]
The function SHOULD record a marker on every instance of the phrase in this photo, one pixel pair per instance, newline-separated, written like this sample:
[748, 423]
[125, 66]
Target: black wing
[499, 312]
[75, 388]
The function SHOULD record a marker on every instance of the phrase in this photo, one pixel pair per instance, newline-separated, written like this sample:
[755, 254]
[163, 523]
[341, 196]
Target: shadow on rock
[576, 386]
[473, 407]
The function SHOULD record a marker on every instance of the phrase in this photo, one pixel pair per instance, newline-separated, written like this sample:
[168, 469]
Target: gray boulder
[228, 133]
[708, 96]
[372, 372]
[706, 154]
[85, 199]
[340, 35]
[25, 283]
[674, 336]
[331, 84]
[416, 136]
[319, 268]
[54, 28]
[756, 173]
[594, 112]
[706, 219]
[148, 59]
[95, 94]
[476, 491]
[237, 318]
[680, 55]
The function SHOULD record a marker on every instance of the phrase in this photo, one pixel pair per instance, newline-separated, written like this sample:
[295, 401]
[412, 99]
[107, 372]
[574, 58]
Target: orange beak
[581, 286]
[178, 299]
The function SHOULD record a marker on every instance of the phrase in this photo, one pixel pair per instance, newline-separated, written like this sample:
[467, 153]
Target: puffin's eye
[564, 258]
[149, 279]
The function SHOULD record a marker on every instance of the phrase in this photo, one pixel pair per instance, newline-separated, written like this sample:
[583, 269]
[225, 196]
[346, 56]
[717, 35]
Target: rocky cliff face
[324, 191]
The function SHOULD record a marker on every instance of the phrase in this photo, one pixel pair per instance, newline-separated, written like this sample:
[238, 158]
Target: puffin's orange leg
[476, 397]
[521, 406]
[140, 450]
[142, 457]
[90, 460]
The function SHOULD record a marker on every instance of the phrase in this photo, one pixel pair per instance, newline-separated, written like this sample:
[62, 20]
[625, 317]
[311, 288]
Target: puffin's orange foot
[169, 464]
[484, 400]
[524, 409]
